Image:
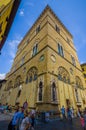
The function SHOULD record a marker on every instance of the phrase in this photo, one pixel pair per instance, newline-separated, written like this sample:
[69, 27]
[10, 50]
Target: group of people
[22, 119]
[5, 108]
[69, 114]
[25, 120]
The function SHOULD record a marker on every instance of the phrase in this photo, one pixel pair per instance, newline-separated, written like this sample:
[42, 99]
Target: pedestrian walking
[32, 117]
[63, 112]
[25, 105]
[69, 114]
[72, 112]
[47, 116]
[15, 118]
[82, 122]
[79, 112]
[85, 117]
[25, 124]
[20, 118]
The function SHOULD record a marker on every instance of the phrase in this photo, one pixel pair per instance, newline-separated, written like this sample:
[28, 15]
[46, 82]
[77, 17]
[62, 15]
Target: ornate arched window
[40, 92]
[18, 81]
[10, 85]
[53, 92]
[78, 82]
[35, 76]
[32, 74]
[63, 75]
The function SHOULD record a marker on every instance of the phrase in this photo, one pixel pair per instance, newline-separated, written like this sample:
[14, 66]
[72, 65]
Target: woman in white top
[25, 125]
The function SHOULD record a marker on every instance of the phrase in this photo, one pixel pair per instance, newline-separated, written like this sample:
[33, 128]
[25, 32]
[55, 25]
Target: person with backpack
[20, 118]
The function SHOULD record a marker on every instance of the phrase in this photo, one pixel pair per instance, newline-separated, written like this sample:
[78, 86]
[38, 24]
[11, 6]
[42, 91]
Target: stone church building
[46, 71]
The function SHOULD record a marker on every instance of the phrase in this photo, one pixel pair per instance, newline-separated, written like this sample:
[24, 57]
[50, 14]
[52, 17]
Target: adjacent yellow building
[46, 70]
[8, 10]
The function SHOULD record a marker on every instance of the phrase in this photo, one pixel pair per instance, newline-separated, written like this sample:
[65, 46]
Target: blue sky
[70, 12]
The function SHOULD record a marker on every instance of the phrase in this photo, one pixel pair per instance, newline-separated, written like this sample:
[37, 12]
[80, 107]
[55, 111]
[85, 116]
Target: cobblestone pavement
[4, 120]
[51, 125]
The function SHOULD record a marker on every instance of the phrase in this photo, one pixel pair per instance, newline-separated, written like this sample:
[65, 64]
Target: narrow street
[51, 125]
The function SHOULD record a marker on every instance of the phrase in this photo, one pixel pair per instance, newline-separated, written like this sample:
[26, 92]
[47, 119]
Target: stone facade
[46, 70]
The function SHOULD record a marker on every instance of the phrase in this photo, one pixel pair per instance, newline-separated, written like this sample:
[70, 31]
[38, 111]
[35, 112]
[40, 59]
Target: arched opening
[63, 75]
[32, 75]
[53, 92]
[40, 92]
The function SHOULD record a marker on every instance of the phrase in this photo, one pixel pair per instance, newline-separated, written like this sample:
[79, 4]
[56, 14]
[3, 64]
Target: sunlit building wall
[8, 10]
[46, 70]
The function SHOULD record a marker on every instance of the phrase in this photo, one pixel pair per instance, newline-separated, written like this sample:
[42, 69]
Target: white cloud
[13, 46]
[82, 62]
[2, 76]
[21, 13]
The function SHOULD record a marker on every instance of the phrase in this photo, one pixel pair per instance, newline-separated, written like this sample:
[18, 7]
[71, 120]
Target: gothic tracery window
[10, 85]
[18, 81]
[79, 82]
[63, 75]
[31, 75]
